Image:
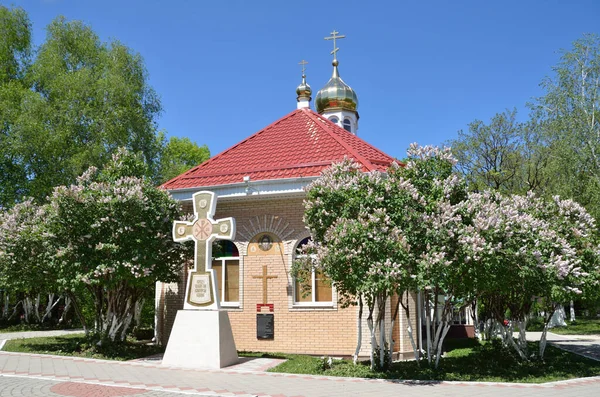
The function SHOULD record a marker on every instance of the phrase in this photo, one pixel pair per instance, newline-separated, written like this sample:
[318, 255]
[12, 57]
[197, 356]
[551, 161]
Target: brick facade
[320, 330]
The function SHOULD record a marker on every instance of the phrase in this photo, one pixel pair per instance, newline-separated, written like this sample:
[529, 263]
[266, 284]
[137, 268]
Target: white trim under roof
[273, 188]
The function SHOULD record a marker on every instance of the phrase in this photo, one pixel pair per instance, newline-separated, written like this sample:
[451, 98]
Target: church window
[334, 120]
[316, 290]
[348, 125]
[226, 263]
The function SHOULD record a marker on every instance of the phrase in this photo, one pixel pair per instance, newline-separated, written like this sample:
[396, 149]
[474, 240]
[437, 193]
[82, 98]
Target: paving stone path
[43, 375]
[584, 345]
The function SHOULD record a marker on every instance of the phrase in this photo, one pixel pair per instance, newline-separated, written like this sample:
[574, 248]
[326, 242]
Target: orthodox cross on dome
[334, 36]
[203, 230]
[265, 279]
[303, 63]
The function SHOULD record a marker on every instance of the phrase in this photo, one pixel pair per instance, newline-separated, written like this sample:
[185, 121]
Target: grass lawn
[77, 345]
[472, 361]
[30, 327]
[579, 327]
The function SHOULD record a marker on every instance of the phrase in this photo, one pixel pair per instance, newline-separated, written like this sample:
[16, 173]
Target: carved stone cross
[265, 279]
[201, 288]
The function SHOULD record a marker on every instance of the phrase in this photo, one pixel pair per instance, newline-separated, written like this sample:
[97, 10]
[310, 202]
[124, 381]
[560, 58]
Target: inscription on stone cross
[201, 288]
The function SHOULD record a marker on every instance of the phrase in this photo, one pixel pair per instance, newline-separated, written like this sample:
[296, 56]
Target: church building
[260, 182]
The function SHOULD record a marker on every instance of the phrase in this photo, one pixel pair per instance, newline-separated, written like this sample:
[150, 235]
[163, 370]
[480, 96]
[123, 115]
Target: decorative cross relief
[265, 278]
[201, 288]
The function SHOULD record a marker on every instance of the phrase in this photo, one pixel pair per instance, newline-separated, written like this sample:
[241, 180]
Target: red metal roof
[300, 144]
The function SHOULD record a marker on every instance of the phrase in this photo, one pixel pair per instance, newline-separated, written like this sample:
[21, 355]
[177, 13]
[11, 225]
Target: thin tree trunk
[359, 327]
[65, 312]
[428, 326]
[50, 306]
[137, 311]
[15, 309]
[511, 341]
[372, 333]
[572, 310]
[395, 311]
[79, 314]
[543, 339]
[440, 344]
[409, 328]
[381, 322]
[5, 305]
[27, 305]
[36, 309]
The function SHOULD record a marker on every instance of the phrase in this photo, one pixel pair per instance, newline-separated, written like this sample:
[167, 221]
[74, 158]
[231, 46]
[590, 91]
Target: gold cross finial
[303, 63]
[334, 36]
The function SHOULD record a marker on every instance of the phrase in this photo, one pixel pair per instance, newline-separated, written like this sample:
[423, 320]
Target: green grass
[579, 327]
[30, 327]
[472, 361]
[78, 345]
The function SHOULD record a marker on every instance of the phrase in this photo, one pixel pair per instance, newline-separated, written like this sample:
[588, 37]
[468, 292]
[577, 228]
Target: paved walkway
[68, 376]
[43, 375]
[585, 345]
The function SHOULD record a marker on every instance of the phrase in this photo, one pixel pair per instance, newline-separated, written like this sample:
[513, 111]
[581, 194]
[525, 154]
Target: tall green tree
[179, 155]
[15, 53]
[504, 155]
[70, 107]
[570, 110]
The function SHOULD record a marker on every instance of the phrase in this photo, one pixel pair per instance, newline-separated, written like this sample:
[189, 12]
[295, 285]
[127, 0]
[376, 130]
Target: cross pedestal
[201, 335]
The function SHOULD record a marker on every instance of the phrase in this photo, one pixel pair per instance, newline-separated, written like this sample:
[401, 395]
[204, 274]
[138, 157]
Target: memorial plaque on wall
[265, 326]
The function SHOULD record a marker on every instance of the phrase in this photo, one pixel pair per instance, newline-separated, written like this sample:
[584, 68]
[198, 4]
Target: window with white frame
[315, 291]
[226, 263]
[348, 125]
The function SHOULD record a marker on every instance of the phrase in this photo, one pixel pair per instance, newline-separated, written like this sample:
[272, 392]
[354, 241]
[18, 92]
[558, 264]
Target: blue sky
[422, 69]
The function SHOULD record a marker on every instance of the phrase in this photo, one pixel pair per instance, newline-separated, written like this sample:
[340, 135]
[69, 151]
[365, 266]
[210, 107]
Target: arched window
[315, 291]
[348, 125]
[226, 263]
[334, 120]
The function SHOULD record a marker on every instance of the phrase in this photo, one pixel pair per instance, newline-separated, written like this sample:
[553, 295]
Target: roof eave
[284, 187]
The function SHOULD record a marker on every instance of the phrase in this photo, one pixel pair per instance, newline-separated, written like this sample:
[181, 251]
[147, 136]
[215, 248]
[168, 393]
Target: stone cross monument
[201, 335]
[201, 291]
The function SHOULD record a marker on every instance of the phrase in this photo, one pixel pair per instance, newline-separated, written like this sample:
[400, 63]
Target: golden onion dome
[336, 95]
[304, 90]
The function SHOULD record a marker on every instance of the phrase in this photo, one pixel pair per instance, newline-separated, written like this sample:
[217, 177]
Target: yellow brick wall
[311, 330]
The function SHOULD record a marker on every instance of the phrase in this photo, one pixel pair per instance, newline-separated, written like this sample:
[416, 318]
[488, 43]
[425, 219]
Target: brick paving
[41, 375]
[24, 374]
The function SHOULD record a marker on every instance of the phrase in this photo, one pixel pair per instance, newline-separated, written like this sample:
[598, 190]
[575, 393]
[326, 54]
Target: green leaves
[179, 155]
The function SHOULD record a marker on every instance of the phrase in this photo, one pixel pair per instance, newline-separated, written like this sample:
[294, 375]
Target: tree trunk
[510, 341]
[395, 311]
[137, 311]
[27, 308]
[543, 339]
[65, 312]
[5, 305]
[51, 304]
[572, 310]
[381, 322]
[409, 328]
[428, 326]
[359, 328]
[79, 314]
[36, 309]
[372, 333]
[15, 309]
